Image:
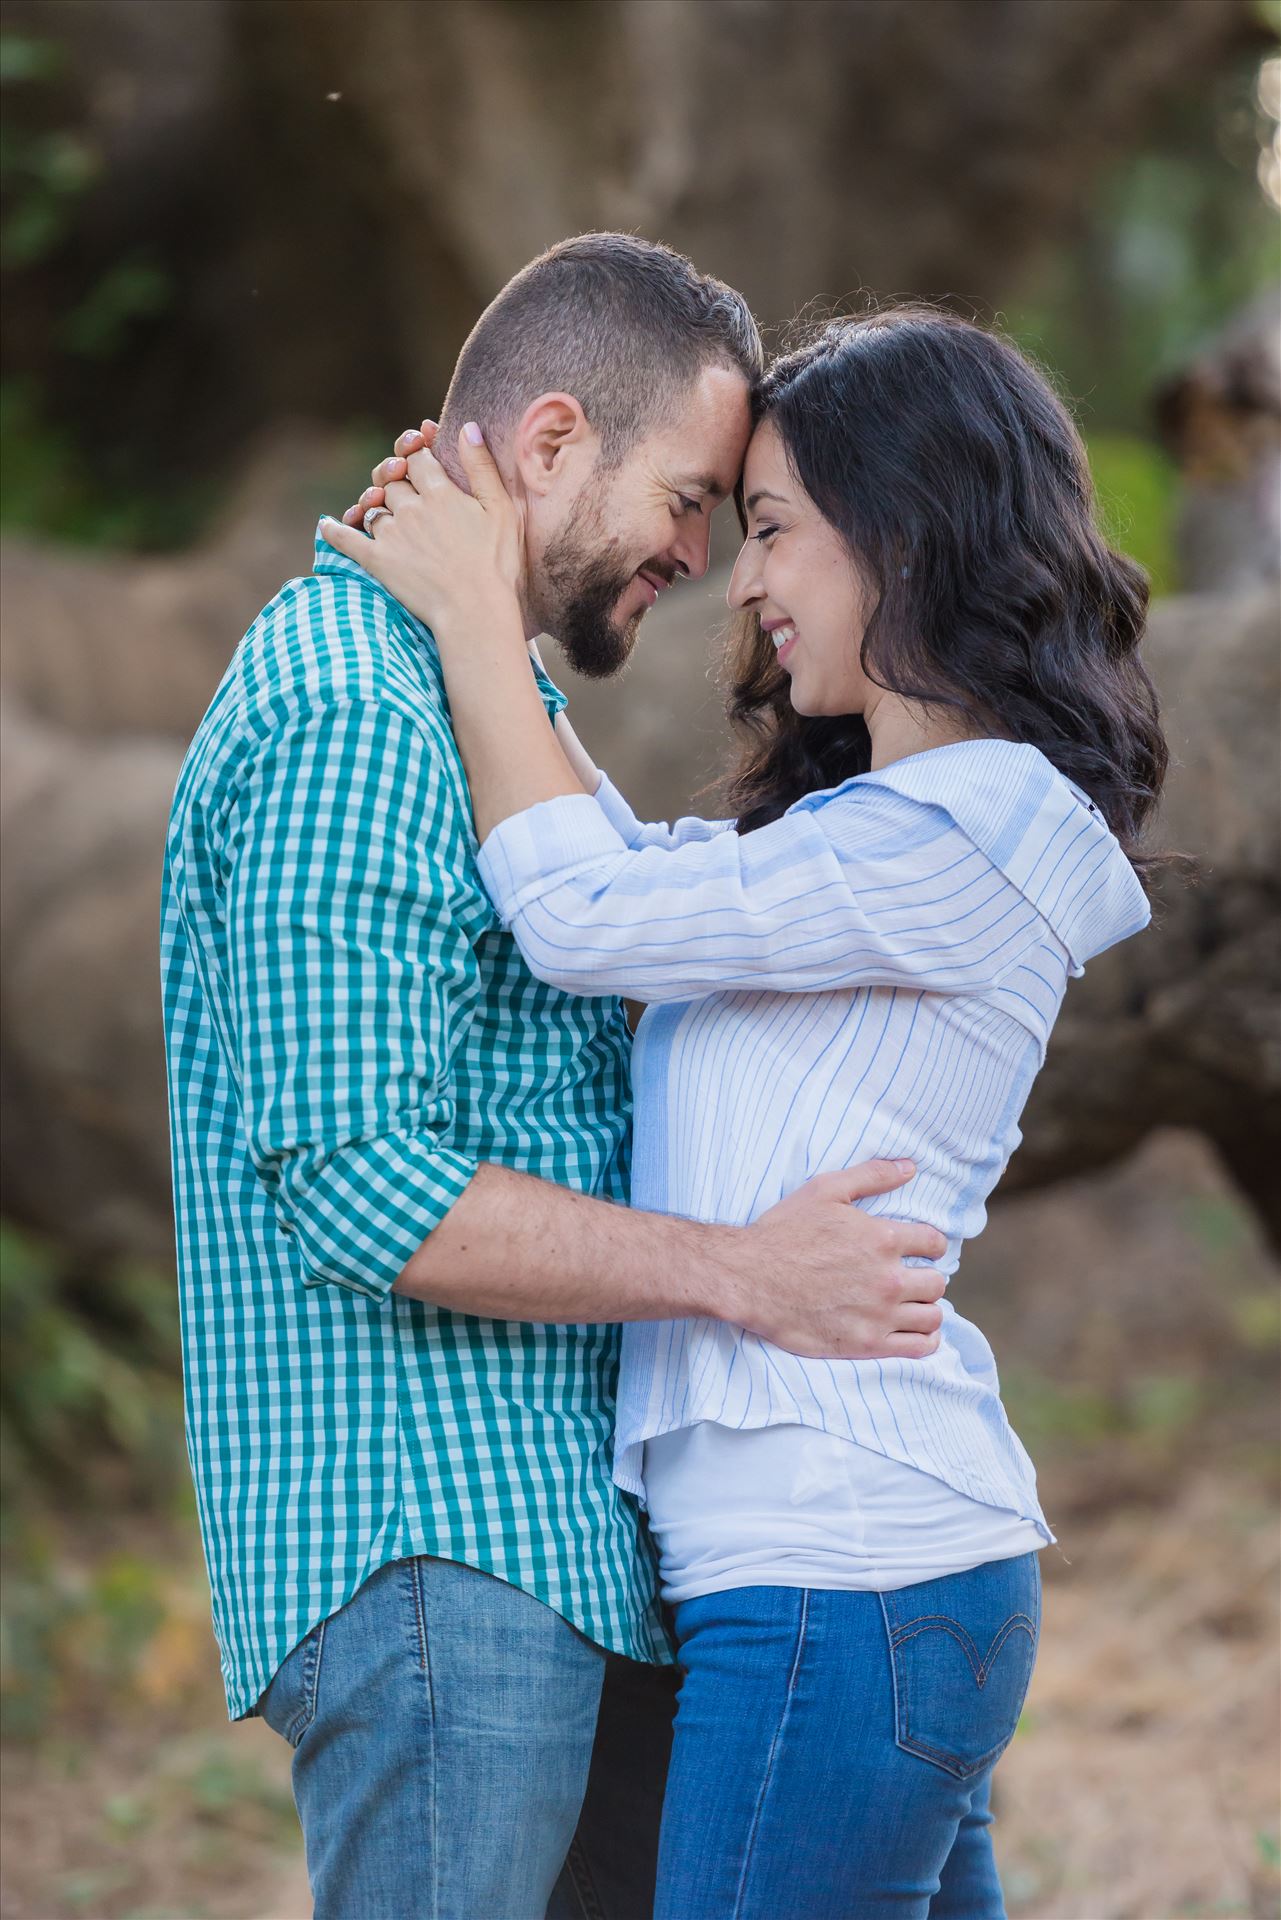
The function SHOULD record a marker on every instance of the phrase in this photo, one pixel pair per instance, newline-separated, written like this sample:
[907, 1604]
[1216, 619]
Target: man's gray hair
[624, 325]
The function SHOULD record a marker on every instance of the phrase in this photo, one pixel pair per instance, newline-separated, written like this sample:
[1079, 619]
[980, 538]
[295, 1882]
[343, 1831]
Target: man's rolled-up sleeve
[351, 984]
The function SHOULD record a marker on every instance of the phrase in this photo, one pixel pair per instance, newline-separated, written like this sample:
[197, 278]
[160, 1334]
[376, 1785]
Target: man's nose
[692, 549]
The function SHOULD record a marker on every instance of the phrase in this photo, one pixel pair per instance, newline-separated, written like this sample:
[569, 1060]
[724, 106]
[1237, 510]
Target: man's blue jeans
[834, 1751]
[443, 1726]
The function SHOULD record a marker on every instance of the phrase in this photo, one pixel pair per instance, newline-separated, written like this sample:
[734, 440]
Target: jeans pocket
[962, 1651]
[289, 1704]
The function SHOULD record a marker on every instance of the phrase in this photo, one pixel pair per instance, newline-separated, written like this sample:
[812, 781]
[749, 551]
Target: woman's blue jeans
[834, 1751]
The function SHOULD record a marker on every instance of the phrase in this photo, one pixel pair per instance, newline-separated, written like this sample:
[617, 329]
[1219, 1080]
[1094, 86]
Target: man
[395, 1161]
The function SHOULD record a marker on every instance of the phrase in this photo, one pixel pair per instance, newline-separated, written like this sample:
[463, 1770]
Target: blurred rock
[82, 1087]
[1176, 1028]
[107, 644]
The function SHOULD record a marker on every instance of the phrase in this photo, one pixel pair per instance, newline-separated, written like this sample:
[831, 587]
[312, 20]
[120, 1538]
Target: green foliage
[1176, 241]
[49, 482]
[22, 58]
[1256, 1320]
[1148, 1415]
[133, 289]
[90, 1420]
[70, 1634]
[48, 486]
[47, 175]
[1136, 486]
[44, 172]
[89, 1378]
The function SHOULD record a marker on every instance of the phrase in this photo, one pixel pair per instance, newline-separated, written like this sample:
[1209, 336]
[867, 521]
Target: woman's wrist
[481, 616]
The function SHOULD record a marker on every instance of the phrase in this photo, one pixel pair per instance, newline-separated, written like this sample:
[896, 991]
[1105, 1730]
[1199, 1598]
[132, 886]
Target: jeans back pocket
[962, 1651]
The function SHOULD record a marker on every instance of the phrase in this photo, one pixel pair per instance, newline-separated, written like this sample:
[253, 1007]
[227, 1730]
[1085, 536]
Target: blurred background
[242, 241]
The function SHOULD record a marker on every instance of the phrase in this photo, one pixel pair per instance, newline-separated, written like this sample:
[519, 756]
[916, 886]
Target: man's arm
[815, 1274]
[351, 974]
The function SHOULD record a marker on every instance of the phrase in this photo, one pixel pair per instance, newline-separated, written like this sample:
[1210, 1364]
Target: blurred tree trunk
[336, 187]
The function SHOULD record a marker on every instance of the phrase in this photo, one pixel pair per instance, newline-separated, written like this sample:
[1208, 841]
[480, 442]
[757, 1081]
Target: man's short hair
[624, 325]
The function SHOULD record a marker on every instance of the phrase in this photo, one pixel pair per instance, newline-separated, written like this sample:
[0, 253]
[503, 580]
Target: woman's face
[795, 573]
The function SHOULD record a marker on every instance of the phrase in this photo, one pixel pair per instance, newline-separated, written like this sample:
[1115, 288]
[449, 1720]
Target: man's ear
[552, 431]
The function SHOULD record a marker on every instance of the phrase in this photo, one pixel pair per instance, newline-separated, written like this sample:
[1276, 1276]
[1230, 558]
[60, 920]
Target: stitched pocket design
[962, 1651]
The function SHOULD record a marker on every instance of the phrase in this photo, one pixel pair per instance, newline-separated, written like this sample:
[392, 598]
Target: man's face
[631, 531]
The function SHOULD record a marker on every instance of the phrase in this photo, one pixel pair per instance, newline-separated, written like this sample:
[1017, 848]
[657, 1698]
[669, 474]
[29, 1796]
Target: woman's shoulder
[1012, 806]
[1000, 772]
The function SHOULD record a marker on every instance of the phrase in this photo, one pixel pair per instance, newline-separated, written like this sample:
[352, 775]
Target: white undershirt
[791, 1506]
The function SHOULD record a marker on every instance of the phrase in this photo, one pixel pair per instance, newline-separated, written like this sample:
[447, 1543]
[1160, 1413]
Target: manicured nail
[472, 433]
[905, 1166]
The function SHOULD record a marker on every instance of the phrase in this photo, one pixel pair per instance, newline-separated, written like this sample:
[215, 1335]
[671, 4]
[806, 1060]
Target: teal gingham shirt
[350, 1033]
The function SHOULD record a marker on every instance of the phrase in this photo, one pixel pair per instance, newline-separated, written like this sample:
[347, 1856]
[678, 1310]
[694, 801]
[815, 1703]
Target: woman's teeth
[781, 635]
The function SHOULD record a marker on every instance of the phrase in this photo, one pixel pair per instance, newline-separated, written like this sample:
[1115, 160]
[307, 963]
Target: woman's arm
[886, 897]
[896, 899]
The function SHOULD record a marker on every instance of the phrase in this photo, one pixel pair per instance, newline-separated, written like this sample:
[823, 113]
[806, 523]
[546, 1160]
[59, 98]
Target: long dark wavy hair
[960, 486]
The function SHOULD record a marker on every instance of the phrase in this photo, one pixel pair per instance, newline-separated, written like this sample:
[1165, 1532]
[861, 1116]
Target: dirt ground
[1135, 1318]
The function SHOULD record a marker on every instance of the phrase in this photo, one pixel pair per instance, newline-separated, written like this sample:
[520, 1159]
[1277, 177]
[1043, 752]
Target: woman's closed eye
[765, 535]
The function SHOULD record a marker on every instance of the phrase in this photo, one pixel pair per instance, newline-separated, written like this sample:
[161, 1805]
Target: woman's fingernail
[472, 433]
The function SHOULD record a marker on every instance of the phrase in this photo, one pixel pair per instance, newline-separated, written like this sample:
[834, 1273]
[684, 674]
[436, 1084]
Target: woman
[952, 749]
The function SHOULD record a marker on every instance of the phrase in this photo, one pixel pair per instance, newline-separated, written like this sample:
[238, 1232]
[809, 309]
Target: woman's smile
[784, 635]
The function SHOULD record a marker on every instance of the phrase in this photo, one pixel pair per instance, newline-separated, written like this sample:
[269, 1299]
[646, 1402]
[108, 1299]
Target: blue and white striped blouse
[875, 973]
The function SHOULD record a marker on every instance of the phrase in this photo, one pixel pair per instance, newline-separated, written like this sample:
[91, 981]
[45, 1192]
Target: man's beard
[583, 583]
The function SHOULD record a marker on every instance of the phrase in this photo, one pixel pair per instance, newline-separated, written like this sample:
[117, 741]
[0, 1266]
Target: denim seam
[424, 1662]
[758, 1811]
[582, 1882]
[310, 1686]
[939, 1623]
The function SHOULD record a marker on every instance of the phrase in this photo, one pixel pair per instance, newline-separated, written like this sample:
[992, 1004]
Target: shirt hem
[1011, 1498]
[647, 1640]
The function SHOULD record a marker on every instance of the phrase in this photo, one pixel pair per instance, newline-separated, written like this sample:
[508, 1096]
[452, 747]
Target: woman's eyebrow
[753, 500]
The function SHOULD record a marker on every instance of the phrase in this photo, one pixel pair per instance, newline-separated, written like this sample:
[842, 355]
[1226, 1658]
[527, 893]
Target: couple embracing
[531, 1372]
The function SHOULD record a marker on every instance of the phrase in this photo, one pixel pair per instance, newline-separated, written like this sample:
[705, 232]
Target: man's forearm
[814, 1273]
[518, 1248]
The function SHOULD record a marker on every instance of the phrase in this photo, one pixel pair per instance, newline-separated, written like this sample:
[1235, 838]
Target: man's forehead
[701, 450]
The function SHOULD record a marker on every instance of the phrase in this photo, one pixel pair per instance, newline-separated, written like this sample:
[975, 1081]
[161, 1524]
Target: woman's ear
[552, 433]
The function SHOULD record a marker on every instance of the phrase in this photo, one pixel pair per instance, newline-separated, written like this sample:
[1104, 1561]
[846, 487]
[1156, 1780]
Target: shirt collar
[328, 560]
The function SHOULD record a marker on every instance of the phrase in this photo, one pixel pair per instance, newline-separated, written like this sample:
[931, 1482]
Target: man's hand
[829, 1279]
[394, 467]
